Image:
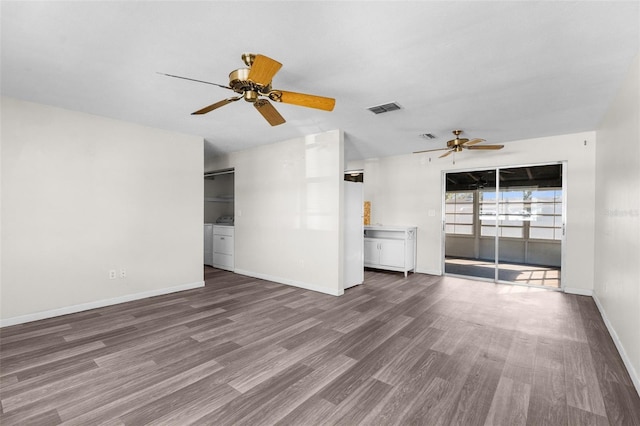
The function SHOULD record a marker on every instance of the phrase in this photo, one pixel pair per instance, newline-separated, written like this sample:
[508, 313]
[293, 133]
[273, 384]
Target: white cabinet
[208, 244]
[390, 247]
[383, 252]
[371, 251]
[223, 248]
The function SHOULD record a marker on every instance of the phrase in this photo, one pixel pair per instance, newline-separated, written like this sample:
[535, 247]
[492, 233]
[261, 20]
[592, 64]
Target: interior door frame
[497, 170]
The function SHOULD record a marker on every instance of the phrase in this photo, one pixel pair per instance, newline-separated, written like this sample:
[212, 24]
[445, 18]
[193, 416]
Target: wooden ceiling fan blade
[485, 147]
[216, 105]
[446, 153]
[302, 99]
[430, 150]
[268, 111]
[472, 142]
[263, 69]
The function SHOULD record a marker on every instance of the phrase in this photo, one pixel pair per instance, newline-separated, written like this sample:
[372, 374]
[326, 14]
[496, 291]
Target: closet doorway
[506, 224]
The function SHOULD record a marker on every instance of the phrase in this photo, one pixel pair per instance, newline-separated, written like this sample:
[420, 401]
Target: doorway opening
[506, 224]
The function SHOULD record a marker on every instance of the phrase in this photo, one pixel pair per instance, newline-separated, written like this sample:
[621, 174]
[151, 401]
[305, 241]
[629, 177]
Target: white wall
[407, 190]
[83, 194]
[288, 211]
[617, 221]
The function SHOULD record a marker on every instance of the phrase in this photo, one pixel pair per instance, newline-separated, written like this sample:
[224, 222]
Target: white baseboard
[97, 304]
[616, 340]
[429, 271]
[286, 281]
[578, 291]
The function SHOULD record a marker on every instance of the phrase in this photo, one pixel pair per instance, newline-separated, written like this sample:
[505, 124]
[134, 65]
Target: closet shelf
[220, 199]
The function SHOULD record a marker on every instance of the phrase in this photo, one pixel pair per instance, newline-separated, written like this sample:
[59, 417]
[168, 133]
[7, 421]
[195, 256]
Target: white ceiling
[499, 70]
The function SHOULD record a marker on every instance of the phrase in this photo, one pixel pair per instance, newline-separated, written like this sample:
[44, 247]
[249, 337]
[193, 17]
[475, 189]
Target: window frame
[456, 213]
[526, 215]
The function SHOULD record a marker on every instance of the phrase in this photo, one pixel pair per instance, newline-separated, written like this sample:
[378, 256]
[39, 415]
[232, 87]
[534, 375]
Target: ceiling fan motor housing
[457, 143]
[238, 80]
[240, 83]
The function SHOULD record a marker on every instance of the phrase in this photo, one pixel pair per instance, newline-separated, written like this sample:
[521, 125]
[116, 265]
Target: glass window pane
[488, 196]
[542, 208]
[511, 232]
[506, 195]
[488, 231]
[537, 195]
[464, 197]
[543, 196]
[464, 218]
[558, 208]
[541, 233]
[542, 220]
[449, 208]
[449, 229]
[450, 218]
[487, 213]
[516, 208]
[464, 229]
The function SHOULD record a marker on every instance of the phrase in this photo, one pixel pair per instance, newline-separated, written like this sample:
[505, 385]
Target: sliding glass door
[469, 201]
[506, 224]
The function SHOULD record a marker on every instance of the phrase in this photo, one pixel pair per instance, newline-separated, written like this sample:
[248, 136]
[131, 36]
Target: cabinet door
[223, 244]
[371, 252]
[392, 253]
[223, 261]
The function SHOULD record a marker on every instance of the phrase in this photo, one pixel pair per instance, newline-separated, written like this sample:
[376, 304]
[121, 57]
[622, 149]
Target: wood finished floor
[418, 351]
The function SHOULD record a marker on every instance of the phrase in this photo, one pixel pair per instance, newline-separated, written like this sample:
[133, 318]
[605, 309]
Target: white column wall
[289, 209]
[617, 224]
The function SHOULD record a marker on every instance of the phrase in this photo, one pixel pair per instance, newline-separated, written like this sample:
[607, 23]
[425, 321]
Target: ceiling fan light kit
[253, 84]
[458, 144]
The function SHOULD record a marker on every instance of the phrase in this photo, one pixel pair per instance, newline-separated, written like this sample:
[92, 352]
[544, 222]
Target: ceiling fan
[254, 85]
[458, 144]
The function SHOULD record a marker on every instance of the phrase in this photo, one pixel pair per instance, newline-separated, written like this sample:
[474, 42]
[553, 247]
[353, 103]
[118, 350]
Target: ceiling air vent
[379, 109]
[428, 135]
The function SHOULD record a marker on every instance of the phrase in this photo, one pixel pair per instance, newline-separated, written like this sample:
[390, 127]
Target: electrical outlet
[123, 273]
[112, 274]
